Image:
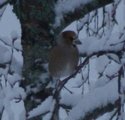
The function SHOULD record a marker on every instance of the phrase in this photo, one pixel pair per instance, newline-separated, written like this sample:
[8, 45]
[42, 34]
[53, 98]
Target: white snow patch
[8, 24]
[99, 97]
[43, 108]
[64, 6]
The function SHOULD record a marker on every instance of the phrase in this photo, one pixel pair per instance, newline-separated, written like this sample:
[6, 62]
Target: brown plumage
[64, 57]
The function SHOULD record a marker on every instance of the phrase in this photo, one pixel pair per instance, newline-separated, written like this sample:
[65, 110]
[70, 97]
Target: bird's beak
[77, 41]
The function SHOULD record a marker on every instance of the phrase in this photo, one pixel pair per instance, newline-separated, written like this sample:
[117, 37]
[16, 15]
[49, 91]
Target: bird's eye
[71, 38]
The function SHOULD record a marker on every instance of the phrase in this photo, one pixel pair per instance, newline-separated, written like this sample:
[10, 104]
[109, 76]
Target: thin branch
[56, 94]
[81, 12]
[63, 82]
[1, 113]
[113, 115]
[5, 3]
[9, 45]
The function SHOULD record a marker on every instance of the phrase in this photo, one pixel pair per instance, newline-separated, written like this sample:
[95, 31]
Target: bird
[64, 57]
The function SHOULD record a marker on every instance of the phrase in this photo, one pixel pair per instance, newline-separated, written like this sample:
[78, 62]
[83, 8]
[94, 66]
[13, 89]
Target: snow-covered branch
[101, 44]
[3, 4]
[112, 43]
[96, 100]
[42, 109]
[77, 9]
[11, 61]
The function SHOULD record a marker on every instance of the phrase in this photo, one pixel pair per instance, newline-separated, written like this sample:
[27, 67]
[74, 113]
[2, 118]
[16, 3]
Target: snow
[17, 62]
[104, 90]
[44, 108]
[18, 111]
[3, 8]
[97, 98]
[112, 70]
[90, 44]
[107, 116]
[101, 91]
[5, 52]
[11, 94]
[12, 79]
[8, 109]
[22, 114]
[8, 25]
[66, 99]
[101, 63]
[64, 6]
[8, 95]
[2, 1]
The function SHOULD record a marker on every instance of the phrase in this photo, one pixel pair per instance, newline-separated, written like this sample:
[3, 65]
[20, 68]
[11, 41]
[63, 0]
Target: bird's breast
[63, 61]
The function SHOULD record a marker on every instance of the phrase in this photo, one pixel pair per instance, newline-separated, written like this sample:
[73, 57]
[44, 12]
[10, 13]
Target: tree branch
[99, 53]
[100, 111]
[97, 111]
[4, 3]
[81, 11]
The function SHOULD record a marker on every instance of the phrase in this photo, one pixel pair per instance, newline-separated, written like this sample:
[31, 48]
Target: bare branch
[5, 3]
[81, 11]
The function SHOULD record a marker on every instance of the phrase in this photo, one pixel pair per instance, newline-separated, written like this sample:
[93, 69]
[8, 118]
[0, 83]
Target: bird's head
[69, 38]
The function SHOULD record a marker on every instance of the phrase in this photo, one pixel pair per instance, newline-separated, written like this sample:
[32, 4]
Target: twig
[113, 115]
[63, 82]
[56, 95]
[5, 3]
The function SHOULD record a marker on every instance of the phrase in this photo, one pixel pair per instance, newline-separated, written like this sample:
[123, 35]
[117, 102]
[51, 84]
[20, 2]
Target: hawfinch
[63, 58]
